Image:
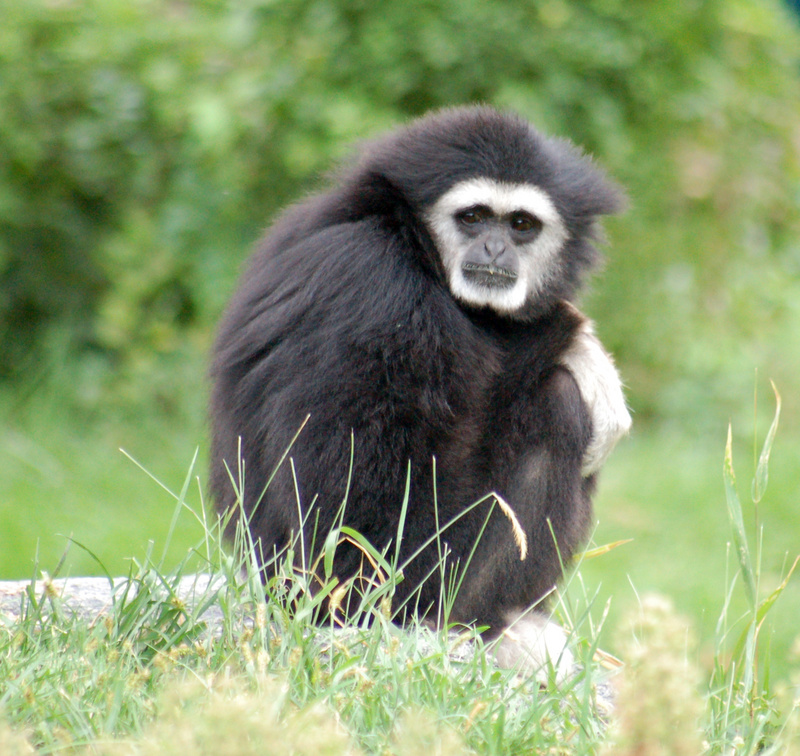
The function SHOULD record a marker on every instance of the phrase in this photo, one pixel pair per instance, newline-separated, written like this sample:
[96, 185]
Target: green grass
[148, 677]
[666, 492]
[63, 476]
[146, 680]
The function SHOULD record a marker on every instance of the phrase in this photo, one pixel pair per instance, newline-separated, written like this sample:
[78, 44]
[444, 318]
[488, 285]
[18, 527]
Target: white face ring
[538, 260]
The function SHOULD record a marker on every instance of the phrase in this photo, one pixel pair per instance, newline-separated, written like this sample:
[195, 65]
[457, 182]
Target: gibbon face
[499, 242]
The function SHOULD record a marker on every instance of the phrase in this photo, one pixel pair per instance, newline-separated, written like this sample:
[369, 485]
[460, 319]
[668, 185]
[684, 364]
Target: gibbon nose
[494, 247]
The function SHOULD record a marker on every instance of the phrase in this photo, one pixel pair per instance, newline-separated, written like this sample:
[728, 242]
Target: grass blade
[600, 550]
[762, 470]
[767, 603]
[737, 521]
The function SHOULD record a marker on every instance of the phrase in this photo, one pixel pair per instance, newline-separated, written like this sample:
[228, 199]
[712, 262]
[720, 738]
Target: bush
[143, 145]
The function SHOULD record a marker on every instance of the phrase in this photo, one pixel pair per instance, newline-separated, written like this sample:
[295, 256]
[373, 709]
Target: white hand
[601, 389]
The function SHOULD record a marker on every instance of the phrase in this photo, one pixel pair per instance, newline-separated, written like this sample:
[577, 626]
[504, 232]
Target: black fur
[344, 314]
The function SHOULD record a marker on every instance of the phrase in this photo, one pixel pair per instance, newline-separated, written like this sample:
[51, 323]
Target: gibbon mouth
[489, 276]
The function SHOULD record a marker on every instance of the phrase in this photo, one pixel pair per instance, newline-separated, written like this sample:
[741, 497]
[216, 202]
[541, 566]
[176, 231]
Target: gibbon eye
[473, 215]
[525, 222]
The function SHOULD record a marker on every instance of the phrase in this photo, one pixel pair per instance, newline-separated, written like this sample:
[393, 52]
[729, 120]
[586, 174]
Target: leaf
[329, 549]
[762, 471]
[370, 552]
[767, 603]
[737, 521]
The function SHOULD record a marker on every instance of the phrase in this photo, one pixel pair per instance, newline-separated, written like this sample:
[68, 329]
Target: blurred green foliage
[145, 143]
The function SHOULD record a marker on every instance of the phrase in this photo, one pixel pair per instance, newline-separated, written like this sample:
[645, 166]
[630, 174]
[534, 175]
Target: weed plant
[235, 666]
